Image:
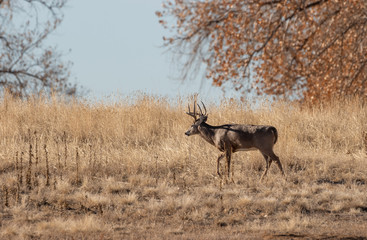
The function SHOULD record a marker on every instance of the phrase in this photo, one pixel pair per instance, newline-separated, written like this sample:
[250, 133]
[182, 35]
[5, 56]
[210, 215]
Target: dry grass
[126, 170]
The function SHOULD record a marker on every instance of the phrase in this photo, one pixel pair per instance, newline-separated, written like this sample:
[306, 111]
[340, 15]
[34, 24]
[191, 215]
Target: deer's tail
[275, 133]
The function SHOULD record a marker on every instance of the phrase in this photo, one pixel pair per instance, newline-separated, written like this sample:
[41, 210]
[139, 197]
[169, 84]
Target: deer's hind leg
[271, 155]
[277, 161]
[268, 161]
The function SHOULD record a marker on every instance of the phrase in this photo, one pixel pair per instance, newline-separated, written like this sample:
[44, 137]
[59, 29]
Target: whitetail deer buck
[231, 138]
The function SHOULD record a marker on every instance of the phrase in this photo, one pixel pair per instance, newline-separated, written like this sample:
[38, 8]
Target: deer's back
[246, 137]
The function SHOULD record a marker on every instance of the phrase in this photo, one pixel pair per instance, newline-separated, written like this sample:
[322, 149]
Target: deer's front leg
[228, 156]
[218, 163]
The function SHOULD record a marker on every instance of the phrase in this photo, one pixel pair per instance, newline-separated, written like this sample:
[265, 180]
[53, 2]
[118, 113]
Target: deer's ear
[203, 119]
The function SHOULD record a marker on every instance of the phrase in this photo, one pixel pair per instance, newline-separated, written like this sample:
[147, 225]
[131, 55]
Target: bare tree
[27, 66]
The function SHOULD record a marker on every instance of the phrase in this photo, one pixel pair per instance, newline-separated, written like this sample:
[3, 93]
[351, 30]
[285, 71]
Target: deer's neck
[207, 132]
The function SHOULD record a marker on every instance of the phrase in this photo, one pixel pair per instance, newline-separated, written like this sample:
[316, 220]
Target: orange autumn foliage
[314, 50]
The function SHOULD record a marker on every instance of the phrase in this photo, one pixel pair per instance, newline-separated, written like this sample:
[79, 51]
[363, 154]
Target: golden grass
[126, 170]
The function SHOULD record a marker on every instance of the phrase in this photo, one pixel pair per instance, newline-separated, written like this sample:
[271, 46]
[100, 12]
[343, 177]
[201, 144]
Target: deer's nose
[187, 133]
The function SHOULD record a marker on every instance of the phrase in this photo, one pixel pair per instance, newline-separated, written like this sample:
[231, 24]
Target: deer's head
[199, 118]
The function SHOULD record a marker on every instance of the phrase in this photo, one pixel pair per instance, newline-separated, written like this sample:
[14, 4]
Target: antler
[194, 114]
[201, 112]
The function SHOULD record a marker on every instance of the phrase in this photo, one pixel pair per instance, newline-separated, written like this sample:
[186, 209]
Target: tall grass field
[125, 170]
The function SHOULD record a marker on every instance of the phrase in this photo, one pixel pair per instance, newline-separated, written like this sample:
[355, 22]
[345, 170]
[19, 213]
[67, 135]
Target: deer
[231, 138]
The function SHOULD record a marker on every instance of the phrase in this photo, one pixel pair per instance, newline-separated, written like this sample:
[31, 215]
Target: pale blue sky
[115, 48]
